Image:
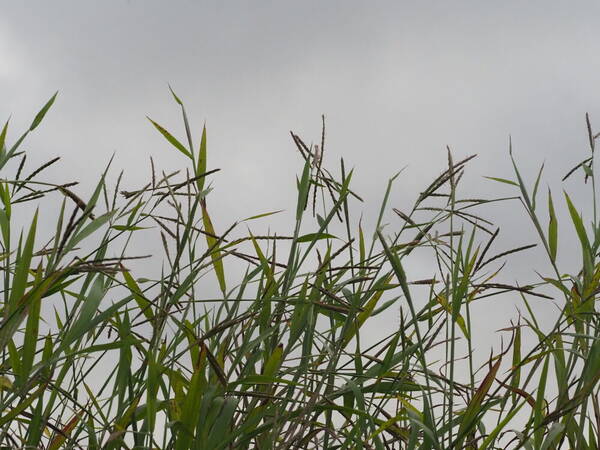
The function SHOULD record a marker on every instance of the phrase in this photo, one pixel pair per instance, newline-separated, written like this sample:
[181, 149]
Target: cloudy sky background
[397, 81]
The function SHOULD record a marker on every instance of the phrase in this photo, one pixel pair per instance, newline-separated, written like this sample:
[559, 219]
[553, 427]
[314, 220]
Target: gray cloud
[397, 81]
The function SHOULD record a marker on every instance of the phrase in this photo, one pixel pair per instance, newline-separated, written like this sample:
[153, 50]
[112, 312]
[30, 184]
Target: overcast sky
[397, 81]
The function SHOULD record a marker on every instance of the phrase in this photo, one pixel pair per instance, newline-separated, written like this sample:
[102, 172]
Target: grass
[95, 355]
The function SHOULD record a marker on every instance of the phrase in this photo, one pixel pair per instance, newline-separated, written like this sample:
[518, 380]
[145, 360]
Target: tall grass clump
[262, 340]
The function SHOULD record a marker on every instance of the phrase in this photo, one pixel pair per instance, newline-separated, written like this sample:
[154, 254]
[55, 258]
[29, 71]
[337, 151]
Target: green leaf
[591, 371]
[554, 432]
[9, 326]
[502, 180]
[578, 223]
[121, 425]
[258, 216]
[19, 282]
[552, 228]
[215, 253]
[474, 408]
[190, 411]
[8, 416]
[264, 264]
[457, 317]
[40, 116]
[315, 237]
[32, 329]
[367, 311]
[586, 250]
[516, 360]
[3, 138]
[177, 99]
[127, 341]
[540, 403]
[5, 197]
[201, 167]
[361, 243]
[128, 228]
[261, 379]
[88, 310]
[303, 188]
[5, 227]
[274, 361]
[220, 434]
[535, 187]
[88, 230]
[142, 302]
[169, 137]
[500, 427]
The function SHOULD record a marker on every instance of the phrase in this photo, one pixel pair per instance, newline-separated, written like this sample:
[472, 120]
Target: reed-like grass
[98, 354]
